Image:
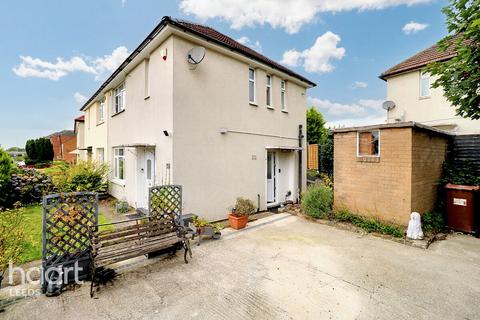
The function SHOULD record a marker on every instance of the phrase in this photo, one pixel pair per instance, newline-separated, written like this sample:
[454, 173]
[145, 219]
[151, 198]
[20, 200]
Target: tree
[30, 149]
[460, 75]
[316, 131]
[39, 150]
[6, 166]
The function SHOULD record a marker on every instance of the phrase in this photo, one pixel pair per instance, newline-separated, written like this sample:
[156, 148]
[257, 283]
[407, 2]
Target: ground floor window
[368, 143]
[119, 163]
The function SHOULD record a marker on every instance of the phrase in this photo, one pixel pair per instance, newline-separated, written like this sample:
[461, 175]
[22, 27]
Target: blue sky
[342, 45]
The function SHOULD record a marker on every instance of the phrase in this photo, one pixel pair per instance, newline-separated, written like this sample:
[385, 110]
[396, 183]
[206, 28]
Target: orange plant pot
[237, 222]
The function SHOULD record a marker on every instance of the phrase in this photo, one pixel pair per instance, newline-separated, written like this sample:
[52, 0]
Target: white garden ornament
[414, 230]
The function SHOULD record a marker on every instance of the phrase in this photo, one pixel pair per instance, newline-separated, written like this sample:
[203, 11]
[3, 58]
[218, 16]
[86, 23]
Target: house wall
[436, 111]
[216, 168]
[375, 187]
[62, 146]
[428, 154]
[143, 122]
[80, 131]
[95, 132]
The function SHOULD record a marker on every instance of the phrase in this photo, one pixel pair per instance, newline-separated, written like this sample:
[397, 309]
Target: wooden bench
[134, 240]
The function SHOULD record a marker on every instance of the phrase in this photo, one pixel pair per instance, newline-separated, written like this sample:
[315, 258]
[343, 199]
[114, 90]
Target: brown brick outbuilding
[400, 177]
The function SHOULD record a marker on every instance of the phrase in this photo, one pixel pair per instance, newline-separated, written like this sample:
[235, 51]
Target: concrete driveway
[284, 267]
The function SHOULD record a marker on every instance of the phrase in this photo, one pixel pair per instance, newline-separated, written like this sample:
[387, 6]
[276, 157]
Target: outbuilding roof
[208, 34]
[407, 124]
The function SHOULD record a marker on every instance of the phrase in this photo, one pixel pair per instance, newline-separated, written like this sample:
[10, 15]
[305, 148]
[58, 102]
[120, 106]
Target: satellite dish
[196, 55]
[388, 105]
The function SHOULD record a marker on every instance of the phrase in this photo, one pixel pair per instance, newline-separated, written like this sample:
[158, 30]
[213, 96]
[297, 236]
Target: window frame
[116, 164]
[268, 91]
[119, 91]
[283, 95]
[147, 78]
[101, 111]
[424, 76]
[253, 83]
[358, 144]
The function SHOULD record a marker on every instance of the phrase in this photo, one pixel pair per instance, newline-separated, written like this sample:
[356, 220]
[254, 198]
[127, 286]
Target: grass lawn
[33, 219]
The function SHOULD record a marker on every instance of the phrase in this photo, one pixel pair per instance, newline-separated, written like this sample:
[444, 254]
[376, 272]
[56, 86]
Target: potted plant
[238, 218]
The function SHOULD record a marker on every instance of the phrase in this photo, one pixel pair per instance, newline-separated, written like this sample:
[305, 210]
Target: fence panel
[312, 157]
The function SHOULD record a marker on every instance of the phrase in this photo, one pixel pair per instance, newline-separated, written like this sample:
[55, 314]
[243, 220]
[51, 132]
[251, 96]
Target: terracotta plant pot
[237, 222]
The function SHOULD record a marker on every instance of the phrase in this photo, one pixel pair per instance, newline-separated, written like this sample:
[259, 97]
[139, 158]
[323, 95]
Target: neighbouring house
[193, 107]
[64, 142]
[408, 86]
[79, 130]
[16, 152]
[387, 171]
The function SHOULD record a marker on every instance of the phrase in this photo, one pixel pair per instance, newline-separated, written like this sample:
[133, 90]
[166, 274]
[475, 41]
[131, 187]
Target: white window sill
[285, 111]
[424, 98]
[253, 104]
[147, 97]
[121, 111]
[118, 182]
[101, 122]
[270, 107]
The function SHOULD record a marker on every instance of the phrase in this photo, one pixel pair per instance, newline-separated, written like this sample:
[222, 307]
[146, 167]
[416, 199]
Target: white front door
[271, 177]
[149, 174]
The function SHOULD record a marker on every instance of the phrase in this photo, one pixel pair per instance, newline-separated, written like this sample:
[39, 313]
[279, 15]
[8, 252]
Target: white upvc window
[119, 163]
[424, 85]
[119, 98]
[147, 78]
[101, 111]
[269, 91]
[283, 95]
[251, 85]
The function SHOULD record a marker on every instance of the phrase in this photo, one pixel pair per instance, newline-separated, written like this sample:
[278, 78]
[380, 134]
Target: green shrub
[243, 207]
[39, 150]
[433, 221]
[12, 236]
[6, 166]
[83, 176]
[317, 201]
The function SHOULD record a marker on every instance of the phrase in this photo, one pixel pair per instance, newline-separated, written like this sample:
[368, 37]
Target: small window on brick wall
[368, 143]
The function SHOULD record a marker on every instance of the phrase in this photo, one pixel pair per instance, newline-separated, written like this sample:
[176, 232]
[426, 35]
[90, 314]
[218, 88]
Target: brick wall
[376, 187]
[69, 144]
[429, 152]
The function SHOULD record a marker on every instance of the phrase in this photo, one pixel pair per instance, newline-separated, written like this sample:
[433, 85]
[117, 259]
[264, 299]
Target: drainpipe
[300, 139]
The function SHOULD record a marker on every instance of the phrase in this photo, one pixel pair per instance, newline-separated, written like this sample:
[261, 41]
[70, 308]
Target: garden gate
[66, 219]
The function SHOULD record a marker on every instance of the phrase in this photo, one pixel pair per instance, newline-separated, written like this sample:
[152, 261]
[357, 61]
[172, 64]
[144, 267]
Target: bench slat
[104, 250]
[136, 225]
[116, 241]
[123, 233]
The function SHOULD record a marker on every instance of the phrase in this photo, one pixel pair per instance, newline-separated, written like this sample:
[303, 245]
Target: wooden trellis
[66, 219]
[165, 202]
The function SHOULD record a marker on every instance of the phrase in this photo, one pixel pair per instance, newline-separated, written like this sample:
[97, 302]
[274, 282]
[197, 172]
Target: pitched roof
[80, 118]
[62, 133]
[420, 60]
[206, 33]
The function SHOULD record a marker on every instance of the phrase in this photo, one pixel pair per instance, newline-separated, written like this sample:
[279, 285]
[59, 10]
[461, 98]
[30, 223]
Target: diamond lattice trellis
[165, 202]
[66, 222]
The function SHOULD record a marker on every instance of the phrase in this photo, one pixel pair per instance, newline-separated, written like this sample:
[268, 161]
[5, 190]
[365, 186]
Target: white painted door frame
[272, 178]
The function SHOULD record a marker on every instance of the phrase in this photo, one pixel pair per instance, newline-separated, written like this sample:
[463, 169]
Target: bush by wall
[83, 176]
[317, 201]
[368, 224]
[26, 186]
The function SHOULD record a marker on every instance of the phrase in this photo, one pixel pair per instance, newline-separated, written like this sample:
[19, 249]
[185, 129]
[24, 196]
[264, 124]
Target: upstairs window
[424, 85]
[119, 163]
[269, 91]
[119, 96]
[251, 85]
[283, 95]
[368, 143]
[101, 111]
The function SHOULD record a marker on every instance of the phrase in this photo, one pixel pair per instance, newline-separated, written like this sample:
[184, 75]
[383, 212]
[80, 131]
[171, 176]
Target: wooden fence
[312, 157]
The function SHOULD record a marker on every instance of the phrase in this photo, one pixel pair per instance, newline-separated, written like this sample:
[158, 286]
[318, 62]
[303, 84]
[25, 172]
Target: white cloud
[79, 98]
[334, 109]
[35, 67]
[253, 45]
[290, 15]
[359, 85]
[109, 62]
[413, 27]
[124, 2]
[317, 58]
